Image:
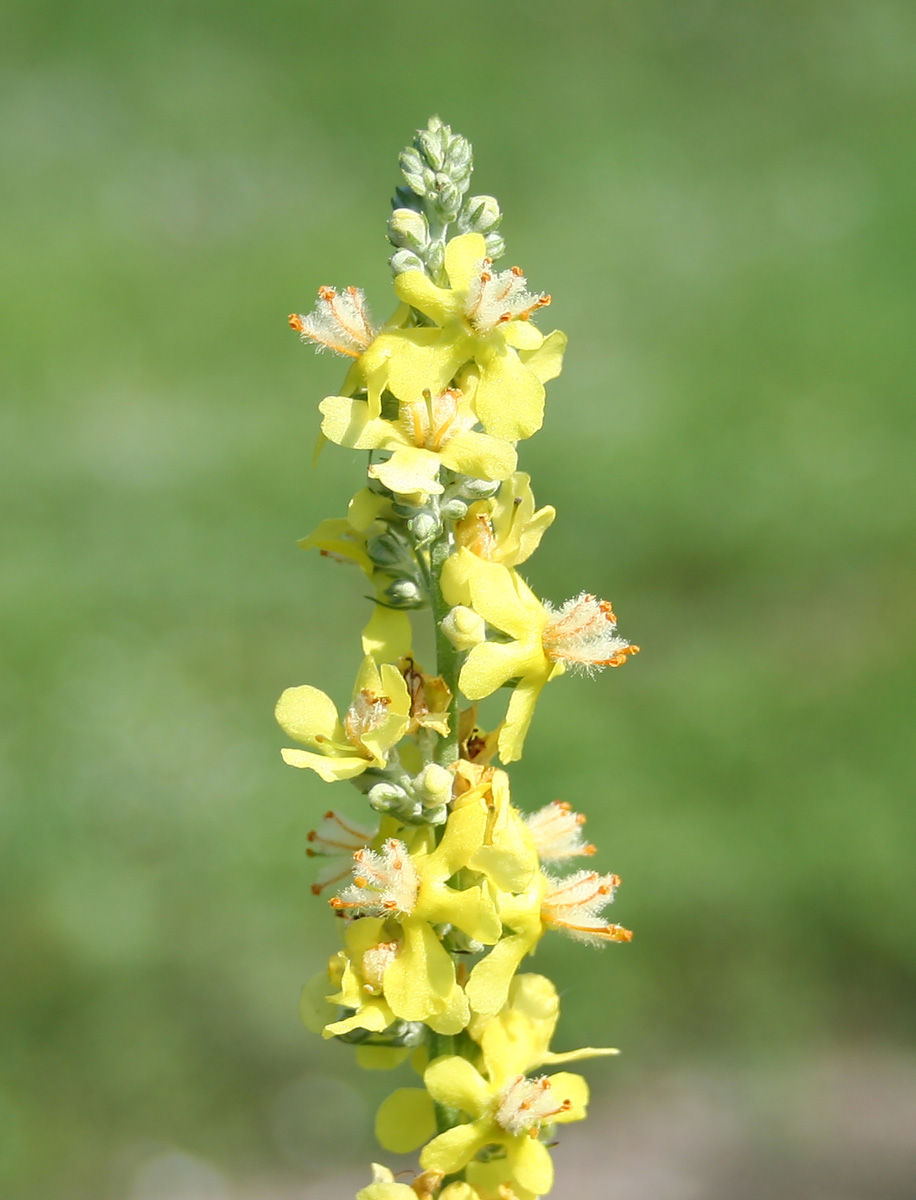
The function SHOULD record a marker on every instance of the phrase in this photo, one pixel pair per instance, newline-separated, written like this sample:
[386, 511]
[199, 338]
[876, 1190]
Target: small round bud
[405, 260]
[464, 628]
[454, 509]
[435, 256]
[404, 593]
[408, 229]
[386, 797]
[434, 785]
[480, 489]
[480, 214]
[424, 526]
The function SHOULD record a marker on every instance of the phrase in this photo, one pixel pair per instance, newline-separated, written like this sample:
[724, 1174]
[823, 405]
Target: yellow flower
[571, 905]
[358, 971]
[507, 528]
[507, 1108]
[543, 640]
[376, 720]
[482, 318]
[431, 431]
[419, 981]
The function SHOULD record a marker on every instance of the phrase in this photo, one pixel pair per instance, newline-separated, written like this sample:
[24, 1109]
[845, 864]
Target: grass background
[720, 198]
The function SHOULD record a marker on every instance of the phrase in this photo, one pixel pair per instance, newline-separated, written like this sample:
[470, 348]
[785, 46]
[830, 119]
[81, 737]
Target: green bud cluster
[437, 170]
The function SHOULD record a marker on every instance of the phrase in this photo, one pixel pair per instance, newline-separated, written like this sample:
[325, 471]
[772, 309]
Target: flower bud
[496, 245]
[404, 593]
[464, 628]
[434, 785]
[424, 527]
[386, 797]
[404, 260]
[480, 214]
[408, 229]
[479, 489]
[454, 509]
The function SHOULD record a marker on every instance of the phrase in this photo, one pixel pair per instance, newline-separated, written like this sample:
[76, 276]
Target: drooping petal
[518, 718]
[455, 1148]
[421, 979]
[522, 335]
[531, 1164]
[546, 362]
[349, 423]
[510, 397]
[490, 665]
[479, 455]
[405, 1120]
[488, 986]
[411, 471]
[418, 290]
[328, 768]
[453, 1081]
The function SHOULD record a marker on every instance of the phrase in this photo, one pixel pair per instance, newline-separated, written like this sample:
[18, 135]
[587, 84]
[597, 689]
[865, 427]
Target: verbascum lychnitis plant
[445, 887]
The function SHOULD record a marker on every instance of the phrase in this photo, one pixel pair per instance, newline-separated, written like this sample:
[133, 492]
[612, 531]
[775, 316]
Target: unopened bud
[434, 784]
[454, 509]
[386, 797]
[404, 593]
[480, 214]
[496, 245]
[479, 489]
[404, 260]
[424, 527]
[464, 628]
[408, 229]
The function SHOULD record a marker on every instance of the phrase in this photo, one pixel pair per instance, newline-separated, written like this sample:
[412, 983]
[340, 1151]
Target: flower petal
[453, 1081]
[411, 471]
[349, 423]
[567, 1086]
[426, 359]
[462, 259]
[306, 713]
[455, 1148]
[479, 455]
[531, 1165]
[488, 985]
[510, 397]
[421, 978]
[546, 362]
[388, 635]
[405, 1120]
[326, 767]
[518, 718]
[490, 665]
[522, 335]
[418, 290]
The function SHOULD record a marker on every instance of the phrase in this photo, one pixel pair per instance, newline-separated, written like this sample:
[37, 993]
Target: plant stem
[446, 654]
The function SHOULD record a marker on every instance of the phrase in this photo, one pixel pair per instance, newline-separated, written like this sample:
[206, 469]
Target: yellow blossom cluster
[445, 892]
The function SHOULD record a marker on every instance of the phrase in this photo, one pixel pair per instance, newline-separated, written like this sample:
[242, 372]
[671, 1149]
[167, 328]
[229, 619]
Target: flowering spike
[444, 894]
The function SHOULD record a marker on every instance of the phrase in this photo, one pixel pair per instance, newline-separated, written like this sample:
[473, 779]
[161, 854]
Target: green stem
[446, 654]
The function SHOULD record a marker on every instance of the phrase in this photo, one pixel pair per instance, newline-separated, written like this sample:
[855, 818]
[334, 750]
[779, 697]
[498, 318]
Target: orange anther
[516, 270]
[295, 322]
[327, 293]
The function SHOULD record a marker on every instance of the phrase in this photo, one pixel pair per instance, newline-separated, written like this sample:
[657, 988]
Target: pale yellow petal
[421, 978]
[405, 1120]
[411, 471]
[488, 985]
[314, 1009]
[427, 359]
[307, 714]
[386, 1191]
[531, 1164]
[490, 665]
[567, 1086]
[419, 291]
[328, 768]
[518, 718]
[366, 508]
[504, 599]
[348, 423]
[454, 1082]
[388, 635]
[381, 1058]
[463, 255]
[510, 397]
[452, 1150]
[374, 1016]
[479, 455]
[546, 362]
[522, 335]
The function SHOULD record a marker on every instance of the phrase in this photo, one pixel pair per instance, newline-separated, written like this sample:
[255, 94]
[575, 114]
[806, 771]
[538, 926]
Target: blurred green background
[720, 198]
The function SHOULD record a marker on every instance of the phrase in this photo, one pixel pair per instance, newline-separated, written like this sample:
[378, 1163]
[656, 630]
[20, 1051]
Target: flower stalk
[446, 886]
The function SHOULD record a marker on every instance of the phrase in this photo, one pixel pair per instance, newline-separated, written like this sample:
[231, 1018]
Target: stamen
[526, 1104]
[365, 714]
[557, 832]
[573, 905]
[582, 632]
[338, 322]
[383, 883]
